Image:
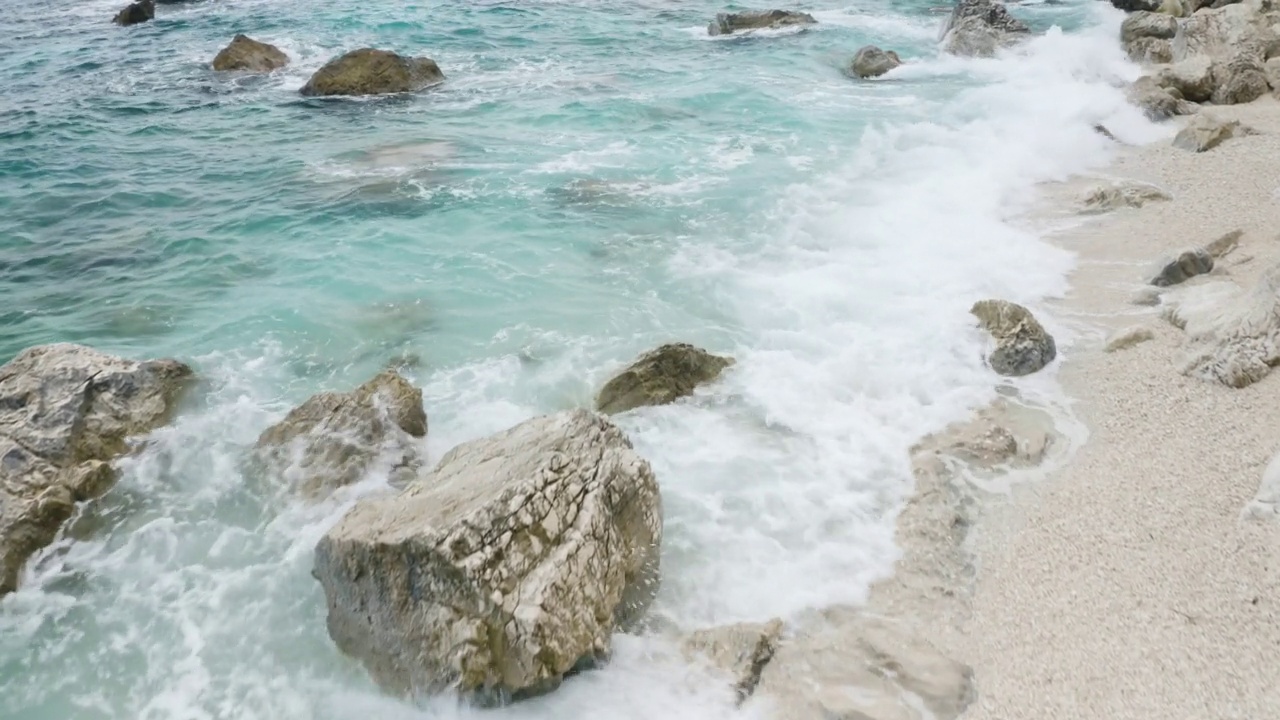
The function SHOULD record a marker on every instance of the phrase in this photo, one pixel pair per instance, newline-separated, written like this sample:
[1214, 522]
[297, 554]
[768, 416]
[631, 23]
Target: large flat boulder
[245, 53]
[729, 23]
[659, 377]
[373, 72]
[978, 28]
[336, 439]
[505, 569]
[65, 412]
[1022, 344]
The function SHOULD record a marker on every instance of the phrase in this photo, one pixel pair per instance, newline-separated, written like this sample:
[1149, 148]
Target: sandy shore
[1130, 584]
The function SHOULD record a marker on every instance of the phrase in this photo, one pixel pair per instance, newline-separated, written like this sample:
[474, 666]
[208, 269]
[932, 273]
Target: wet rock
[729, 23]
[335, 439]
[1205, 133]
[373, 72]
[865, 668]
[979, 27]
[741, 651]
[1123, 194]
[1128, 337]
[135, 13]
[660, 377]
[1192, 79]
[507, 567]
[1242, 79]
[65, 412]
[1022, 345]
[1187, 265]
[1157, 103]
[871, 61]
[245, 53]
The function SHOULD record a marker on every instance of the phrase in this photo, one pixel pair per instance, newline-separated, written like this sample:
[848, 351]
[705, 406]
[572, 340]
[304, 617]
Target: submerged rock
[660, 377]
[373, 72]
[135, 13]
[741, 651]
[1022, 345]
[505, 569]
[245, 53]
[334, 439]
[1206, 133]
[979, 27]
[871, 61]
[65, 412]
[1123, 194]
[729, 23]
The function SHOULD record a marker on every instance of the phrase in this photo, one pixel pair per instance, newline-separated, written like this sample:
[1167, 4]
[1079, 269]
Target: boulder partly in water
[729, 23]
[1022, 344]
[871, 61]
[65, 412]
[506, 568]
[373, 72]
[978, 28]
[334, 439]
[245, 53]
[660, 377]
[135, 13]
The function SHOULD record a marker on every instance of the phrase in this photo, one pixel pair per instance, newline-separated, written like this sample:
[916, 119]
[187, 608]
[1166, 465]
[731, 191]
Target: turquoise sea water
[593, 179]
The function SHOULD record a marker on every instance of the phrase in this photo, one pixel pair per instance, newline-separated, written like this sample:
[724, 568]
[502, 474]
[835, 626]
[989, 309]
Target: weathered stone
[1233, 334]
[1022, 345]
[373, 72]
[741, 651]
[1242, 79]
[864, 668]
[660, 377]
[1156, 102]
[1192, 78]
[1187, 265]
[1123, 194]
[335, 439]
[65, 412]
[1175, 8]
[1148, 24]
[1240, 29]
[1206, 132]
[729, 23]
[1128, 337]
[245, 53]
[135, 13]
[979, 27]
[1136, 5]
[506, 568]
[1149, 50]
[1223, 246]
[871, 61]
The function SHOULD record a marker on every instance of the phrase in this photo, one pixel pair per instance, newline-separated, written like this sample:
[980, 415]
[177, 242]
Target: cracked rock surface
[1022, 344]
[507, 567]
[66, 411]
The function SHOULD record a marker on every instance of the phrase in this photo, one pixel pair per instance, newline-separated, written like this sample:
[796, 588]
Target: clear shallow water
[594, 178]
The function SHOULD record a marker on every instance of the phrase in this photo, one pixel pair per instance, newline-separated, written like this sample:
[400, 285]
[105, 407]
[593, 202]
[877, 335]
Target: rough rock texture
[1123, 194]
[1244, 28]
[245, 53]
[373, 72]
[135, 13]
[660, 377]
[1022, 345]
[335, 439]
[65, 412]
[741, 651]
[1128, 337]
[979, 27]
[1149, 50]
[1206, 132]
[1233, 335]
[871, 61]
[1192, 79]
[507, 567]
[864, 668]
[1148, 24]
[1241, 79]
[1223, 246]
[729, 23]
[1157, 102]
[1187, 265]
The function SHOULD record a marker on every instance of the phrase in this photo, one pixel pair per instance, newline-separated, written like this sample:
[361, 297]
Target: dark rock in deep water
[660, 377]
[245, 53]
[373, 72]
[729, 23]
[65, 412]
[138, 12]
